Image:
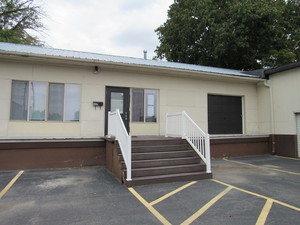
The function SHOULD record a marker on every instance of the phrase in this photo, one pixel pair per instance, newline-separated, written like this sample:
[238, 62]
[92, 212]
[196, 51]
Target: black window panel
[225, 114]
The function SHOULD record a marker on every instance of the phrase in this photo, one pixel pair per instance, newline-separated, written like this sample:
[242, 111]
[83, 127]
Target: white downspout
[267, 83]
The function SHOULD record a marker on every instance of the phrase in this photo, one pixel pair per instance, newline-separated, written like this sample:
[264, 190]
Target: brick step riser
[167, 171]
[159, 155]
[162, 148]
[158, 163]
[158, 142]
[166, 179]
[163, 155]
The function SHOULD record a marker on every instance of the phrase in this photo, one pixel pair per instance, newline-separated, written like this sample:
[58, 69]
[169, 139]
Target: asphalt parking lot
[245, 190]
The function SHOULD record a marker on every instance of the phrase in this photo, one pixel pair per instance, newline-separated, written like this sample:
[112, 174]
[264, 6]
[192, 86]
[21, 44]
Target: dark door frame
[125, 115]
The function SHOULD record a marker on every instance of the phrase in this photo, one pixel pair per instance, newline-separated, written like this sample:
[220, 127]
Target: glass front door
[117, 98]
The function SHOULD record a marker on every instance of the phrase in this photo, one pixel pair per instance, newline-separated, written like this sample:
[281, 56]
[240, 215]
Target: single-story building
[279, 107]
[55, 103]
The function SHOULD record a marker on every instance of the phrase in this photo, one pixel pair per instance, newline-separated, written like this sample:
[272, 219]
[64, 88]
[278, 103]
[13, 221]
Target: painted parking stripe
[264, 213]
[278, 156]
[258, 195]
[11, 183]
[162, 219]
[172, 193]
[249, 164]
[203, 209]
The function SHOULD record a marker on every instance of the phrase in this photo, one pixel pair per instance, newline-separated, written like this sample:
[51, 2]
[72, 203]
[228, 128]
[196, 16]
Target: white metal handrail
[117, 129]
[181, 125]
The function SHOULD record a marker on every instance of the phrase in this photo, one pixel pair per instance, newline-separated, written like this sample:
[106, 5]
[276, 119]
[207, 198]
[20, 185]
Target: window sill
[42, 121]
[144, 122]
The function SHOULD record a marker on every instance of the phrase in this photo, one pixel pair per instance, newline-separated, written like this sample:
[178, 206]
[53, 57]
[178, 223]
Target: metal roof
[11, 48]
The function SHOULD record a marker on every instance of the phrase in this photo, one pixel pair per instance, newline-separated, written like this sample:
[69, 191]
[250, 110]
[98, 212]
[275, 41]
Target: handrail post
[129, 159]
[183, 125]
[167, 120]
[117, 128]
[207, 153]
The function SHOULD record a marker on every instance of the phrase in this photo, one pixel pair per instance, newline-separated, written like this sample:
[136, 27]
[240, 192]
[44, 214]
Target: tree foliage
[17, 19]
[239, 34]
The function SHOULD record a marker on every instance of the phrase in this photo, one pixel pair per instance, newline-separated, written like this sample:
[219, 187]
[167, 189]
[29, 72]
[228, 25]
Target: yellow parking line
[278, 156]
[258, 195]
[11, 183]
[172, 193]
[248, 164]
[264, 213]
[205, 207]
[162, 219]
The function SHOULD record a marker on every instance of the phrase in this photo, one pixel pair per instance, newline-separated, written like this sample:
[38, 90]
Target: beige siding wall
[174, 94]
[264, 108]
[286, 100]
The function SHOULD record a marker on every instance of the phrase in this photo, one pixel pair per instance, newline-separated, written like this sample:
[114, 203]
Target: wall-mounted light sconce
[96, 69]
[97, 104]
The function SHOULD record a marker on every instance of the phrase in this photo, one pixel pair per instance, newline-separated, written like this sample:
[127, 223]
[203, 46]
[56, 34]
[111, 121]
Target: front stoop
[163, 160]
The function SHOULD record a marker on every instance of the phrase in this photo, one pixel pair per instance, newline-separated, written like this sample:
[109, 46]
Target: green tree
[238, 34]
[18, 18]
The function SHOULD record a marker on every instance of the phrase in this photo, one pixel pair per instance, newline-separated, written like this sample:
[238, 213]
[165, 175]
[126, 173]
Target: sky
[114, 27]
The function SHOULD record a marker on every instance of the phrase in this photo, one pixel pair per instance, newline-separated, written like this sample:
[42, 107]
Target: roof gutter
[289, 66]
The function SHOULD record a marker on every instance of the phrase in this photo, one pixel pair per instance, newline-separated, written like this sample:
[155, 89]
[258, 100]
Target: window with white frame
[144, 105]
[29, 101]
[37, 101]
[72, 102]
[19, 100]
[56, 102]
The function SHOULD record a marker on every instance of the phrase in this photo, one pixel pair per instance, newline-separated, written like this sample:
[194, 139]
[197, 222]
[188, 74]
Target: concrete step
[164, 162]
[157, 141]
[160, 160]
[163, 155]
[165, 170]
[168, 178]
[161, 148]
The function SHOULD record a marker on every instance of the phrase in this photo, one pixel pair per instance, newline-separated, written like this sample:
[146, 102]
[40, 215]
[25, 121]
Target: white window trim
[29, 102]
[46, 104]
[145, 105]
